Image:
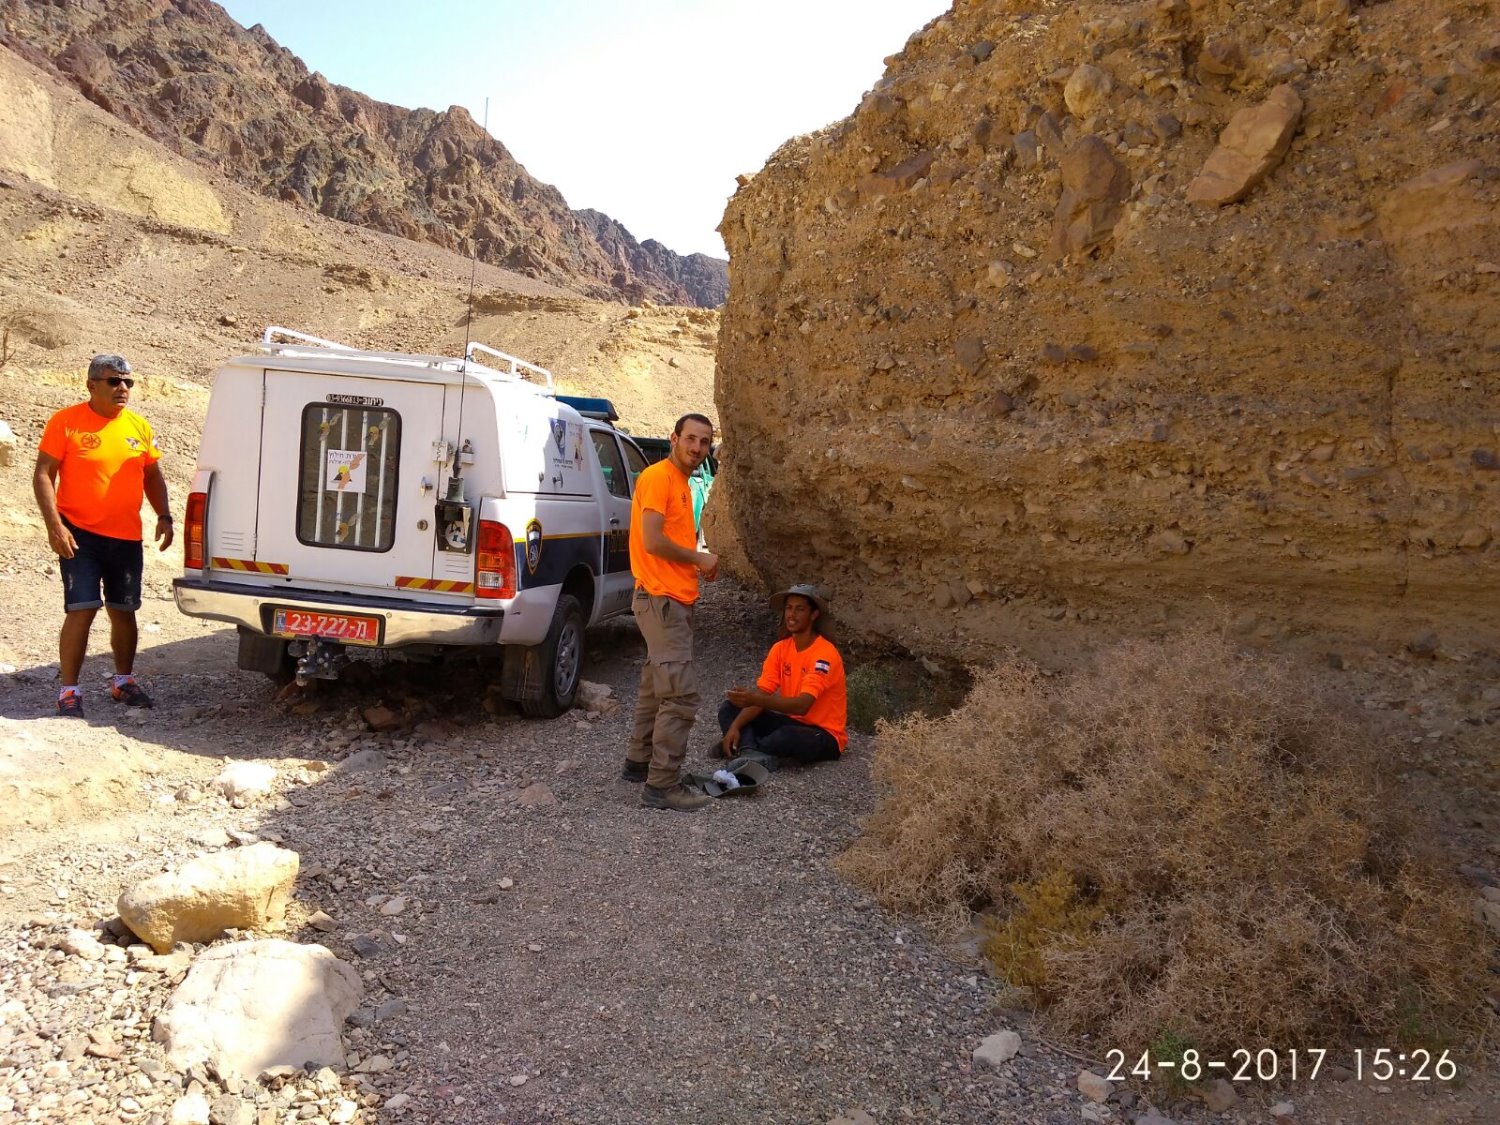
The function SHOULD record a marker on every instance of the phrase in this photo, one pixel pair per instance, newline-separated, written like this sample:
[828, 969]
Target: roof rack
[285, 341]
[518, 367]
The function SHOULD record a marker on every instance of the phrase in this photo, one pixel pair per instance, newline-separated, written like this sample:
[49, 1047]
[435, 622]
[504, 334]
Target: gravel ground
[558, 954]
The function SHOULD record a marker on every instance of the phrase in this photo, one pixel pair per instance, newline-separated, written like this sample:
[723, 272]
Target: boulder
[1087, 90]
[897, 179]
[1250, 148]
[1095, 186]
[190, 1109]
[1095, 1087]
[536, 795]
[1440, 203]
[243, 782]
[1220, 1095]
[997, 1049]
[597, 698]
[244, 889]
[81, 943]
[250, 1006]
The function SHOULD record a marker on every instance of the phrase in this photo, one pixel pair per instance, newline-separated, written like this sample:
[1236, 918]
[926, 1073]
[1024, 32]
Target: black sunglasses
[116, 380]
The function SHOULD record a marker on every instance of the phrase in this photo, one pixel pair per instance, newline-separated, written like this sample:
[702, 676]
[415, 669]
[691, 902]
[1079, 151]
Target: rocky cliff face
[187, 75]
[1102, 317]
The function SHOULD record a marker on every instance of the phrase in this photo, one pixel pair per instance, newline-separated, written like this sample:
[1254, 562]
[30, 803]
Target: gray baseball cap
[101, 365]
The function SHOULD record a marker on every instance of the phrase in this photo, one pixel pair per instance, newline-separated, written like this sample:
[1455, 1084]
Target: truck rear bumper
[403, 623]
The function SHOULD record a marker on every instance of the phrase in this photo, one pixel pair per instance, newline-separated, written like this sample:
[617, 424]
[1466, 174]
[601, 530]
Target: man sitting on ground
[798, 709]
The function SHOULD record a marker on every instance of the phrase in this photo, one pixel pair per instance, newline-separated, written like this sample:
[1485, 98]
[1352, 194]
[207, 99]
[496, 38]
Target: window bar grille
[364, 452]
[338, 507]
[318, 470]
[380, 485]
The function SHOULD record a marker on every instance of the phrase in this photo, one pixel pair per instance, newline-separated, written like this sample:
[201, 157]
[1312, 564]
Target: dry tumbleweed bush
[1224, 820]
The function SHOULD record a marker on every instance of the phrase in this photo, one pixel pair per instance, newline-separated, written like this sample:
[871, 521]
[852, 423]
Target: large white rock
[246, 1007]
[997, 1049]
[190, 1109]
[243, 782]
[7, 444]
[245, 889]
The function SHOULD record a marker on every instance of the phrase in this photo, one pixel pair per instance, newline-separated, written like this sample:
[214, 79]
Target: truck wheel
[259, 653]
[559, 661]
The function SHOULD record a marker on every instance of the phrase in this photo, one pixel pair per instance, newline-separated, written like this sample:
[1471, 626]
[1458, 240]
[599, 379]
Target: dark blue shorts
[102, 563]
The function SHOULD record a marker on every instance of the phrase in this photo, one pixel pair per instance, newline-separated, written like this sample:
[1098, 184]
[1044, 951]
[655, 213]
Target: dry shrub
[1246, 880]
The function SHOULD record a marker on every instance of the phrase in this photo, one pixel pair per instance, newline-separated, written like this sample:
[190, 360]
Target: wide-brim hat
[811, 592]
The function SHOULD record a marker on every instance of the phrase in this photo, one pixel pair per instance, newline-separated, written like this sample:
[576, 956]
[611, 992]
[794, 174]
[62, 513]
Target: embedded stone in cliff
[1250, 148]
[1087, 90]
[969, 351]
[1441, 201]
[1219, 62]
[1095, 185]
[899, 178]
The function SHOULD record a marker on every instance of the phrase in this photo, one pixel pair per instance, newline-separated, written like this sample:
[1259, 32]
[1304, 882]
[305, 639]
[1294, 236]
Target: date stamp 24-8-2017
[1382, 1064]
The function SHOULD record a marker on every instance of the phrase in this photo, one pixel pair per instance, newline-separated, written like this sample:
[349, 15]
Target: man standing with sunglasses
[95, 463]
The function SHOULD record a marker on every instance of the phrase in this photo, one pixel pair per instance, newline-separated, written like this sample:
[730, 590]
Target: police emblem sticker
[533, 546]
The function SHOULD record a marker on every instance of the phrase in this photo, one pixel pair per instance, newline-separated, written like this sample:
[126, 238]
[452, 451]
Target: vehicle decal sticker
[534, 540]
[562, 554]
[249, 566]
[438, 585]
[345, 471]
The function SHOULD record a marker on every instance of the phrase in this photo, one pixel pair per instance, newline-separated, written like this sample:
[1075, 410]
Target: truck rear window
[347, 479]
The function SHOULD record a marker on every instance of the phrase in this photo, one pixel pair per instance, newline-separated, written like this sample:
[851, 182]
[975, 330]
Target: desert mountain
[111, 242]
[1102, 317]
[185, 74]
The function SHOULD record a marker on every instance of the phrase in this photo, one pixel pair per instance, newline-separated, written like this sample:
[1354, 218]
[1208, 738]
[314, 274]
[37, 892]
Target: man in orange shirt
[798, 709]
[95, 463]
[666, 565]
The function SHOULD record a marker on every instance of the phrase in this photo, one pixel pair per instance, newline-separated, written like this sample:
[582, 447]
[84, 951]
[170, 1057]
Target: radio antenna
[455, 489]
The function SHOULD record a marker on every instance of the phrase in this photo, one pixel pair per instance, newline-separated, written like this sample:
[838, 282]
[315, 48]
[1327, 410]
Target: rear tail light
[193, 545]
[495, 561]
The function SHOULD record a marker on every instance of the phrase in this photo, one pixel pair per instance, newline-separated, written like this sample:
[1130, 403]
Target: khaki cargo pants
[668, 702]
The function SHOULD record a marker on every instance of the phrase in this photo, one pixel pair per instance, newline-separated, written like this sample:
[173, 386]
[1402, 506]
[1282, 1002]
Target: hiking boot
[130, 694]
[635, 771]
[679, 797]
[70, 705]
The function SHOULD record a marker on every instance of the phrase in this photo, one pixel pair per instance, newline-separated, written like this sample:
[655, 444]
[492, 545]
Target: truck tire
[557, 663]
[269, 655]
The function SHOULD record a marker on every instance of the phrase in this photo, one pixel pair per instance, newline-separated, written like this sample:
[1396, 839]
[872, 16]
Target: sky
[643, 109]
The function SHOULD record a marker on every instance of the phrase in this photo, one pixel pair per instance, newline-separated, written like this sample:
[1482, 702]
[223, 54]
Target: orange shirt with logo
[818, 671]
[663, 487]
[102, 479]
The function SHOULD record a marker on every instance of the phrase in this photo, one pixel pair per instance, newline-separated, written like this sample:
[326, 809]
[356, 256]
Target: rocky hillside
[188, 76]
[1100, 317]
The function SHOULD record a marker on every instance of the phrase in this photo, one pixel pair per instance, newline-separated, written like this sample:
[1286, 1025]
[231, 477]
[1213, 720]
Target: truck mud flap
[523, 674]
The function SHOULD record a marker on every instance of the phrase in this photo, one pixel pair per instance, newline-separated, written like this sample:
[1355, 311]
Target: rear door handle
[614, 521]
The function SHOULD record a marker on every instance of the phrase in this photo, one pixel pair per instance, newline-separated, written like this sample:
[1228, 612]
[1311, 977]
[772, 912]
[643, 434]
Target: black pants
[782, 737]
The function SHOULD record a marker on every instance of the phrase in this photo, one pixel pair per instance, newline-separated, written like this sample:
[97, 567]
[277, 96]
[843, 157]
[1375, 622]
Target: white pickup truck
[347, 499]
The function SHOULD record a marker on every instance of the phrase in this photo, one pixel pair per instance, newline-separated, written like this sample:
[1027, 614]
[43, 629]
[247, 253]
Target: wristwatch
[167, 517]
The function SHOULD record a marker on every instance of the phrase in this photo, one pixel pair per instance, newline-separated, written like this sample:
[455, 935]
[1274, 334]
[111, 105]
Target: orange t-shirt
[102, 478]
[663, 487]
[818, 671]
